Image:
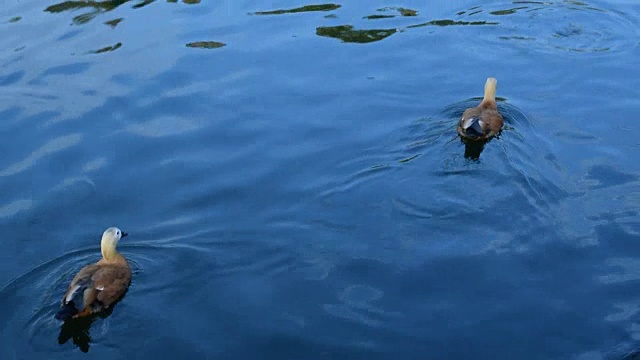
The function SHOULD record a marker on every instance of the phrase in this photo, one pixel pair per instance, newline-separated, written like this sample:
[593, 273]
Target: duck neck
[490, 90]
[109, 252]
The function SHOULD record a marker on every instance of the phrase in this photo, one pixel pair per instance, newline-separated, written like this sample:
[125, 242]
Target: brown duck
[484, 121]
[98, 286]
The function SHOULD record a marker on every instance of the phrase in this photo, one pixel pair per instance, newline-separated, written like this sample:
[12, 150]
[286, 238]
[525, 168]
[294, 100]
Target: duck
[98, 286]
[484, 121]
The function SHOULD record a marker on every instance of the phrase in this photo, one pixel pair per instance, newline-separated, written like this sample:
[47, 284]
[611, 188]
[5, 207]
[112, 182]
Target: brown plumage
[484, 121]
[98, 286]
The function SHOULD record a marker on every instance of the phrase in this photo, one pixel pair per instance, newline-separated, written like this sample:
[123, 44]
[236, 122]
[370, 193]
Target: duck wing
[111, 281]
[494, 121]
[94, 288]
[468, 115]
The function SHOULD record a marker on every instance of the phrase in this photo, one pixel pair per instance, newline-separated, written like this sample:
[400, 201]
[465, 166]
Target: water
[293, 188]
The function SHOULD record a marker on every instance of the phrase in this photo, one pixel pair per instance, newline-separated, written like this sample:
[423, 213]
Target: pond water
[293, 187]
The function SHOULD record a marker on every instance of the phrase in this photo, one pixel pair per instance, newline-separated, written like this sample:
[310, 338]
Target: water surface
[293, 187]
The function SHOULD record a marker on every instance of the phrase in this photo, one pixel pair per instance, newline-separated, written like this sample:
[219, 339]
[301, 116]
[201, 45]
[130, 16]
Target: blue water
[293, 187]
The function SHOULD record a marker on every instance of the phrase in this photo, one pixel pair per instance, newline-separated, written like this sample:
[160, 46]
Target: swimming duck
[484, 121]
[98, 286]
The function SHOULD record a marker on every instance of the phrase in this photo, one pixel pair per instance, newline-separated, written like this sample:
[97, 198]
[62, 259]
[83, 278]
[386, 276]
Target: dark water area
[293, 186]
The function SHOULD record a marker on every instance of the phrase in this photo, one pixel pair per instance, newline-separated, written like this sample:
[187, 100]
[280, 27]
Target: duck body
[484, 121]
[98, 286]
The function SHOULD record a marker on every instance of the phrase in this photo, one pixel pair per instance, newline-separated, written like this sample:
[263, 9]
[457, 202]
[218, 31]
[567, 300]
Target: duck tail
[490, 90]
[66, 311]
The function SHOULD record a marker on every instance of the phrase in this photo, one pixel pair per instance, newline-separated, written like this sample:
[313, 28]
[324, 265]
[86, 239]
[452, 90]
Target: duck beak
[123, 234]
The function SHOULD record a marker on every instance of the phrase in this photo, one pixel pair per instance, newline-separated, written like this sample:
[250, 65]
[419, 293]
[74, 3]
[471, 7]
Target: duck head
[109, 241]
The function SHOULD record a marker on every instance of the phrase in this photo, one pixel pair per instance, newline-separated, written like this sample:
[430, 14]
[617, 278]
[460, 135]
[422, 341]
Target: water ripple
[561, 26]
[357, 305]
[14, 207]
[51, 147]
[164, 126]
[31, 299]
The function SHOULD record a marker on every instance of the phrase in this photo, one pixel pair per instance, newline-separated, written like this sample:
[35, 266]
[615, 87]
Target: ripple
[624, 312]
[357, 306]
[602, 176]
[246, 258]
[51, 147]
[30, 301]
[406, 207]
[561, 26]
[576, 136]
[95, 164]
[15, 207]
[307, 8]
[424, 183]
[12, 78]
[164, 126]
[76, 184]
[68, 69]
[627, 269]
[345, 312]
[359, 178]
[317, 267]
[360, 294]
[445, 191]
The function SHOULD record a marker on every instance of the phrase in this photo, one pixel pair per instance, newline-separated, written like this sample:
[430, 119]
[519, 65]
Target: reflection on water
[96, 8]
[586, 34]
[206, 44]
[113, 23]
[506, 11]
[79, 330]
[108, 48]
[407, 12]
[99, 7]
[446, 22]
[473, 149]
[143, 3]
[401, 11]
[307, 8]
[347, 33]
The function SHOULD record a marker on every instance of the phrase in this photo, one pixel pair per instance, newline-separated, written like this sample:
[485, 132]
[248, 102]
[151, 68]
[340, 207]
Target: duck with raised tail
[484, 121]
[98, 286]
